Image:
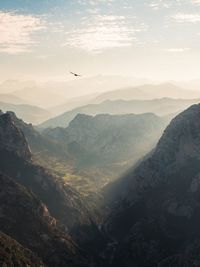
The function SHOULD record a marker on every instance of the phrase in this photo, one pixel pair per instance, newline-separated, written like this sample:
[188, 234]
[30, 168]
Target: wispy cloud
[195, 2]
[95, 2]
[186, 17]
[177, 50]
[100, 32]
[156, 5]
[16, 32]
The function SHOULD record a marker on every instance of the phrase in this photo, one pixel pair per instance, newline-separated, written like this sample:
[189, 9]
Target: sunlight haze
[44, 40]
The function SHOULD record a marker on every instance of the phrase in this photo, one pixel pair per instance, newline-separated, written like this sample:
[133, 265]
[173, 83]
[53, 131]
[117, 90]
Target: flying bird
[75, 74]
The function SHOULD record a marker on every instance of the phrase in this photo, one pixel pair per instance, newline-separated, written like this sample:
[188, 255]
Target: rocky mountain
[30, 114]
[63, 202]
[14, 254]
[161, 107]
[108, 144]
[156, 207]
[41, 147]
[12, 139]
[28, 221]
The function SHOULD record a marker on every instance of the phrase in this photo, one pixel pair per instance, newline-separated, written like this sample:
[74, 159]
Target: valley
[109, 185]
[99, 133]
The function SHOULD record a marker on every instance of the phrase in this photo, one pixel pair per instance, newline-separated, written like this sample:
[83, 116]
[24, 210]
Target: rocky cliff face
[14, 254]
[39, 144]
[25, 218]
[157, 213]
[11, 138]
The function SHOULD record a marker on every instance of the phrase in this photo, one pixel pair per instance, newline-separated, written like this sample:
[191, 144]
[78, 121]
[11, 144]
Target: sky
[154, 39]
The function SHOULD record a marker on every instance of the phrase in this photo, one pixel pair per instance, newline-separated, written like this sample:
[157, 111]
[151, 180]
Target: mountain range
[160, 107]
[35, 93]
[104, 146]
[30, 114]
[115, 185]
[148, 92]
[54, 215]
[141, 92]
[30, 102]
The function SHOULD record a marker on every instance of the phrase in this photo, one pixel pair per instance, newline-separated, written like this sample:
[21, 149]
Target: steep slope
[63, 202]
[106, 145]
[12, 139]
[27, 220]
[42, 148]
[156, 218]
[13, 254]
[30, 114]
[160, 107]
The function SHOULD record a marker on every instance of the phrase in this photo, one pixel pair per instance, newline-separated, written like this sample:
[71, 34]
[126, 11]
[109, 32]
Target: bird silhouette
[75, 74]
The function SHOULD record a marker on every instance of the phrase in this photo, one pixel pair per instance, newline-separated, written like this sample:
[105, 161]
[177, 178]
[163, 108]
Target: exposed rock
[157, 206]
[11, 138]
[25, 218]
[13, 254]
[63, 202]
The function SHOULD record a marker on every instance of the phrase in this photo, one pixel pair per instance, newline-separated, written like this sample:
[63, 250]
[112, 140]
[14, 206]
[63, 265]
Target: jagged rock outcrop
[156, 217]
[39, 144]
[11, 138]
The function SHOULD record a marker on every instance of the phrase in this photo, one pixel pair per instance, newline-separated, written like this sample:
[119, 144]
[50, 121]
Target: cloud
[16, 32]
[100, 32]
[184, 17]
[156, 5]
[195, 2]
[95, 2]
[177, 50]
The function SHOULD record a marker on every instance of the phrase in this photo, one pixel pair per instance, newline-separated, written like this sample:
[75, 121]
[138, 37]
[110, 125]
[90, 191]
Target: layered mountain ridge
[154, 210]
[104, 146]
[160, 107]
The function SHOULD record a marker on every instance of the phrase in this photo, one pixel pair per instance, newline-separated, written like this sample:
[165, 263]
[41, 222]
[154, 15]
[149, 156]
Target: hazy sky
[154, 39]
